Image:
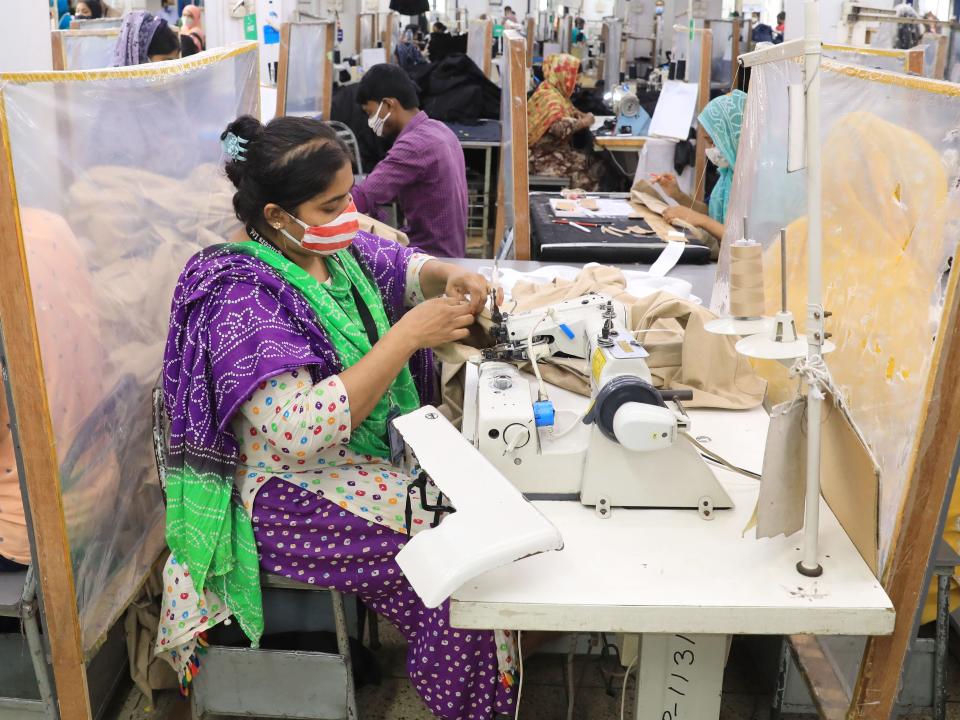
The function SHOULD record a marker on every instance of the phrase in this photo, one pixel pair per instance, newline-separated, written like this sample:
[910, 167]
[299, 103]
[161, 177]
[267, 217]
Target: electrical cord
[541, 387]
[567, 430]
[520, 667]
[623, 695]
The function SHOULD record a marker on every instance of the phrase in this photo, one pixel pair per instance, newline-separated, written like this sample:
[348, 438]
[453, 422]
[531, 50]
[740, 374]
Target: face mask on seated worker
[716, 157]
[330, 237]
[376, 123]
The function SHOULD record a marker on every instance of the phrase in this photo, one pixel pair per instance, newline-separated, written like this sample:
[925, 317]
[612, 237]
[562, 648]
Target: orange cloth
[551, 100]
[72, 358]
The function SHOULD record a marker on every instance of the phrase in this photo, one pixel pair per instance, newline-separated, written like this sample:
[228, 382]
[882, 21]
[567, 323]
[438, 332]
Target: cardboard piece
[849, 477]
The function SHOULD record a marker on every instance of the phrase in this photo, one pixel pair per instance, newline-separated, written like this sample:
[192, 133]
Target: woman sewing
[721, 121]
[287, 356]
[552, 120]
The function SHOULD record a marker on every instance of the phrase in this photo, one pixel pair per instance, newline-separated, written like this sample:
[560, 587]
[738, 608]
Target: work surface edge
[705, 588]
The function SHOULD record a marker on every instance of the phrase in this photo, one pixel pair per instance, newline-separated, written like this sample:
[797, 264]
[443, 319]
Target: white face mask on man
[376, 123]
[716, 157]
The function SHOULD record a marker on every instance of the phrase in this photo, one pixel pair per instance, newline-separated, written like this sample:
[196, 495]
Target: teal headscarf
[721, 119]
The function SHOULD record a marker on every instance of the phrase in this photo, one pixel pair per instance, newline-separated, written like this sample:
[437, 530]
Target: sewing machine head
[627, 449]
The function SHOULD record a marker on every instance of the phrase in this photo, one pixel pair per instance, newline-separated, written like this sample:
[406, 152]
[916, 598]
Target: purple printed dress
[325, 516]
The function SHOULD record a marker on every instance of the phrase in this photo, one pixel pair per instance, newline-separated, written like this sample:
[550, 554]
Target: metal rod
[809, 565]
[940, 648]
[746, 232]
[783, 269]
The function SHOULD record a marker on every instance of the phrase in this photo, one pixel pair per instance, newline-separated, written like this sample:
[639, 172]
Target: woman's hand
[435, 322]
[685, 214]
[667, 181]
[438, 278]
[462, 284]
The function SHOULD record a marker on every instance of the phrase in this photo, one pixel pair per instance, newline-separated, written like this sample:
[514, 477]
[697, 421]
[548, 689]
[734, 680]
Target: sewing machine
[630, 449]
[632, 119]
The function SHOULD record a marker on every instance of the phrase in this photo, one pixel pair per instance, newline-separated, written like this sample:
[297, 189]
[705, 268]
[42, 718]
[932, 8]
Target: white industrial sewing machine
[630, 449]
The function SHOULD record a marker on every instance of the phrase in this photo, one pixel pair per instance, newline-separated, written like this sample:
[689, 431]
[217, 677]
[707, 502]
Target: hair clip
[233, 146]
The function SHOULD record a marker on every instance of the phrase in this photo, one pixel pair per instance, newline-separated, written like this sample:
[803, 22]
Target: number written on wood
[679, 682]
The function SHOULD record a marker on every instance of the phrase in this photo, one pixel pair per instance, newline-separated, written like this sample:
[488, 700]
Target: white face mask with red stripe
[329, 238]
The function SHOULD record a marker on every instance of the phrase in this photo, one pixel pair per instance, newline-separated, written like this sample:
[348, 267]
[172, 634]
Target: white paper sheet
[606, 207]
[675, 108]
[372, 56]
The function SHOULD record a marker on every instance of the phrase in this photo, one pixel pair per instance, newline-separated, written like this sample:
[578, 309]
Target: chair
[307, 685]
[18, 599]
[344, 132]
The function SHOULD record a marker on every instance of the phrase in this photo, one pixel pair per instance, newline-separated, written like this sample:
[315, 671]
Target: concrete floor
[745, 696]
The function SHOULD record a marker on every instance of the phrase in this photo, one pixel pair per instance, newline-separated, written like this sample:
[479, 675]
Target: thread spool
[746, 280]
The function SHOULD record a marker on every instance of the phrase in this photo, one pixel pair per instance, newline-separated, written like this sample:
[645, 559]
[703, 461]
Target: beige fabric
[381, 229]
[141, 625]
[683, 355]
[645, 200]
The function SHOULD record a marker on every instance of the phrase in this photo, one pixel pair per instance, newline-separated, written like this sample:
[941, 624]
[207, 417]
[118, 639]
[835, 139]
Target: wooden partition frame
[514, 153]
[283, 69]
[912, 59]
[700, 166]
[481, 31]
[373, 18]
[906, 578]
[30, 415]
[59, 48]
[530, 23]
[386, 33]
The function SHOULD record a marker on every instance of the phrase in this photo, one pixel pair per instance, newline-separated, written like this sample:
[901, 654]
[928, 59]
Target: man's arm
[398, 169]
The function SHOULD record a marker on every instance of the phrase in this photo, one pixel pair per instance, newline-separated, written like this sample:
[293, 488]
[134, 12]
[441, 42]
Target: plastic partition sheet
[891, 161]
[953, 56]
[367, 31]
[508, 147]
[480, 43]
[88, 50]
[309, 78]
[931, 49]
[873, 58]
[119, 181]
[722, 60]
[613, 35]
[688, 50]
[98, 24]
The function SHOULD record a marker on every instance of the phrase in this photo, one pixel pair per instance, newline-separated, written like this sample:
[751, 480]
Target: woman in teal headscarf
[721, 120]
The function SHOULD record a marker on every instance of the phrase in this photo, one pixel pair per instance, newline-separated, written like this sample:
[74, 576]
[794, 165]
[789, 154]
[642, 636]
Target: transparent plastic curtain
[510, 97]
[891, 159]
[687, 50]
[722, 60]
[307, 68]
[98, 24]
[930, 45]
[367, 26]
[953, 56]
[89, 52]
[119, 182]
[478, 49]
[894, 62]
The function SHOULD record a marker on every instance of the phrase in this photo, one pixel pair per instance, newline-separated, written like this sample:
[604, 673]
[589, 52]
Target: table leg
[680, 676]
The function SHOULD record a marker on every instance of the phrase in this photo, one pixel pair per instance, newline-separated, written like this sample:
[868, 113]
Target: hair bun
[245, 127]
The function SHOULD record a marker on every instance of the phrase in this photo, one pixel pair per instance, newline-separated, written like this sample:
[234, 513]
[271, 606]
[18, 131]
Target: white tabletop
[655, 571]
